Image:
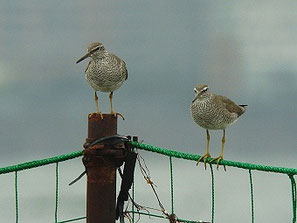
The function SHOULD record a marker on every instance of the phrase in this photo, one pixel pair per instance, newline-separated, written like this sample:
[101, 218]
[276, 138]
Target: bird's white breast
[105, 76]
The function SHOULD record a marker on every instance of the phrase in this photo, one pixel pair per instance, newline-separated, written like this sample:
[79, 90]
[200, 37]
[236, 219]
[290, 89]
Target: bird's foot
[115, 114]
[97, 114]
[204, 158]
[218, 159]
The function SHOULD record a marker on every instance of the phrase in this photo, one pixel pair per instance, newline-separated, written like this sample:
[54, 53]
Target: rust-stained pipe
[101, 173]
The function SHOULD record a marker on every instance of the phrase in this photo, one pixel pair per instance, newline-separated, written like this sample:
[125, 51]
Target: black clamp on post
[115, 147]
[119, 149]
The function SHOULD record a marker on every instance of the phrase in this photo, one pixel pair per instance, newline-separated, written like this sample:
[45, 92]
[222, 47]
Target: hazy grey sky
[245, 50]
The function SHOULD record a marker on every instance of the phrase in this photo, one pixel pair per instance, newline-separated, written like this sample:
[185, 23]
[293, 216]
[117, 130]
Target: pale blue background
[245, 50]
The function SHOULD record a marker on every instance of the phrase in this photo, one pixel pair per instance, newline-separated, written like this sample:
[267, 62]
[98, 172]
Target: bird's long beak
[195, 98]
[84, 57]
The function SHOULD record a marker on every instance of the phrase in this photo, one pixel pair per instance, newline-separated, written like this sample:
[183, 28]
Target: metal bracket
[115, 147]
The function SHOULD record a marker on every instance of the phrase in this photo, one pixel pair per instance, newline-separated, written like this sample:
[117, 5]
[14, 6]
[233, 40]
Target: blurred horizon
[246, 51]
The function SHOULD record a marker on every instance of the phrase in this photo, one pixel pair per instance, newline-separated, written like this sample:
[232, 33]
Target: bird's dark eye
[95, 49]
[205, 89]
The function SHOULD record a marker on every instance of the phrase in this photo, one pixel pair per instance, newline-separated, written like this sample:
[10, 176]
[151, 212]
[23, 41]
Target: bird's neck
[206, 98]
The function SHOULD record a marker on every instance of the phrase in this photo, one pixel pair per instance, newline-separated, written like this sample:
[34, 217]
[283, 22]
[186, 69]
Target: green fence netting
[290, 172]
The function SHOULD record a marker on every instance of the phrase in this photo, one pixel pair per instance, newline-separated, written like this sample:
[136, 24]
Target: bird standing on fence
[213, 112]
[105, 72]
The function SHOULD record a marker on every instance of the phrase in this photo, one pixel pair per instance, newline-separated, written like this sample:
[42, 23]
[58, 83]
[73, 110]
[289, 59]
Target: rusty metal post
[101, 173]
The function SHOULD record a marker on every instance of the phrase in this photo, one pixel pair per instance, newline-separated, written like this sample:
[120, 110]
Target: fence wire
[291, 172]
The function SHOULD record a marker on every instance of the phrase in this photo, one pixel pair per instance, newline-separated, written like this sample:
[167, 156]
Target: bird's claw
[218, 159]
[100, 115]
[97, 113]
[115, 114]
[204, 158]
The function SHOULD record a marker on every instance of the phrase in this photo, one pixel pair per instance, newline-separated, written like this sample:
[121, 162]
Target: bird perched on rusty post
[214, 112]
[105, 72]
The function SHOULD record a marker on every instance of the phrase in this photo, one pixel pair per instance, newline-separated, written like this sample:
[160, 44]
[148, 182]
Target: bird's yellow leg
[218, 159]
[204, 157]
[97, 106]
[111, 107]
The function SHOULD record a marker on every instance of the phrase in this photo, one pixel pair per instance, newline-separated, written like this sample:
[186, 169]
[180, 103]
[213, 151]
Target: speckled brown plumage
[105, 72]
[213, 112]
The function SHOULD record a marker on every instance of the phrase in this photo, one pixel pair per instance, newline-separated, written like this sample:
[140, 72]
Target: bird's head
[94, 50]
[201, 91]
